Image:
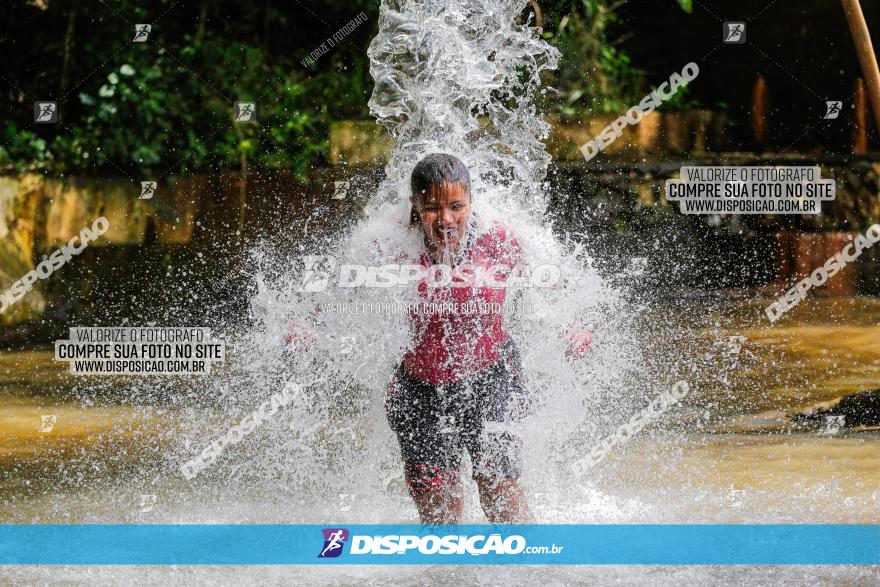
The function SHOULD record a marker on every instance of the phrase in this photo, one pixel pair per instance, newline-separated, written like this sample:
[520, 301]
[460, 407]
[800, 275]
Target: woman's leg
[439, 506]
[496, 453]
[503, 500]
[431, 455]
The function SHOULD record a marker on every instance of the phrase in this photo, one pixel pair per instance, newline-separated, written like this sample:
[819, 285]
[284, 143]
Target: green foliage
[164, 107]
[686, 5]
[594, 74]
[23, 150]
[679, 100]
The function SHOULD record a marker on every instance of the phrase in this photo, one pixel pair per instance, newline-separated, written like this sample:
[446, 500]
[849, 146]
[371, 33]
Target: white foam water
[452, 76]
[460, 78]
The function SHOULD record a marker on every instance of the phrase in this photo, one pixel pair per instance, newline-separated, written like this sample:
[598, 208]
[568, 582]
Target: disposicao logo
[334, 540]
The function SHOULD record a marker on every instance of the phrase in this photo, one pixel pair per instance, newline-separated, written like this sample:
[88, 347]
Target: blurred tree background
[163, 107]
[596, 74]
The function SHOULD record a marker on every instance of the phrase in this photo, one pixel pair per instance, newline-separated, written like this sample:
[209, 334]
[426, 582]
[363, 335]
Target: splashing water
[457, 77]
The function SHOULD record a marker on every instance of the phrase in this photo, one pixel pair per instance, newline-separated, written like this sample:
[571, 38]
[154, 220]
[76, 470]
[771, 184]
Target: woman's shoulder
[498, 240]
[496, 232]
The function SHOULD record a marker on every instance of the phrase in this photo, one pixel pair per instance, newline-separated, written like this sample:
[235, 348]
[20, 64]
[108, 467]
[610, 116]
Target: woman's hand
[578, 340]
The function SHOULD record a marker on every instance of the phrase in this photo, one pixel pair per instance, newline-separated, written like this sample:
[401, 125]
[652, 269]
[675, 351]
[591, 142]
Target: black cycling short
[436, 423]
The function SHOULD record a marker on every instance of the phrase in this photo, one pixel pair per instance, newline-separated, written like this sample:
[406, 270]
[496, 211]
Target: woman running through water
[458, 387]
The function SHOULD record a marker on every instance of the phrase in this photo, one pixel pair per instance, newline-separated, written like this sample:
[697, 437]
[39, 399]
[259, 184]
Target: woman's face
[444, 210]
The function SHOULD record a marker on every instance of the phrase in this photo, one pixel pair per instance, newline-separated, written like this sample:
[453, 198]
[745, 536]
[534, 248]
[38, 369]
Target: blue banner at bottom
[227, 544]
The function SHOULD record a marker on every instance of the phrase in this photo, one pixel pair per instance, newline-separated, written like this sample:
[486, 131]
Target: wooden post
[868, 60]
[860, 120]
[65, 61]
[759, 111]
[539, 17]
[845, 283]
[786, 242]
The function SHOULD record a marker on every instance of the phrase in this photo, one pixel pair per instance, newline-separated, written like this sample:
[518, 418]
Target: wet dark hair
[436, 168]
